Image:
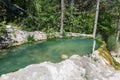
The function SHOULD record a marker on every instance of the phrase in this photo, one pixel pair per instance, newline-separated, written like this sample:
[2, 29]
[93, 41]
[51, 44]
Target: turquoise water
[18, 57]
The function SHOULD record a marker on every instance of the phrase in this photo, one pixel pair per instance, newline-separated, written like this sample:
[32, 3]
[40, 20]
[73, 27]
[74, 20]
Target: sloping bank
[107, 56]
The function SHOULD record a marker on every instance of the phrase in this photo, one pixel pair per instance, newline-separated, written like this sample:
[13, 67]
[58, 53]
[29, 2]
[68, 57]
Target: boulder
[39, 35]
[18, 36]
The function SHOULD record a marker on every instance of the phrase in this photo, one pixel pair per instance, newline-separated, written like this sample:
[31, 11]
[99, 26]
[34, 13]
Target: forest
[79, 16]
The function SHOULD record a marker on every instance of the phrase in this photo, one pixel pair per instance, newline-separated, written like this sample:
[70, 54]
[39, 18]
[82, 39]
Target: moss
[95, 59]
[108, 57]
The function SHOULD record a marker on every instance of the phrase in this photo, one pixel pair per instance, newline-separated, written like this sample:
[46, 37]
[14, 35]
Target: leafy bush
[99, 36]
[80, 23]
[51, 33]
[2, 28]
[111, 43]
[43, 14]
[30, 38]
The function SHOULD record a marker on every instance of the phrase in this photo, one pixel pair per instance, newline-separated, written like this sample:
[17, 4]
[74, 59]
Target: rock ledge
[74, 68]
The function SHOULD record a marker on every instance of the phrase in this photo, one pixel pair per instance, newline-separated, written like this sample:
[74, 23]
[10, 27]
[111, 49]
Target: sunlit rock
[64, 56]
[18, 36]
[74, 68]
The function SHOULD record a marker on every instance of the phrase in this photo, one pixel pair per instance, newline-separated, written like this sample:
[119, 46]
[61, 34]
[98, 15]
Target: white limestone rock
[20, 36]
[74, 68]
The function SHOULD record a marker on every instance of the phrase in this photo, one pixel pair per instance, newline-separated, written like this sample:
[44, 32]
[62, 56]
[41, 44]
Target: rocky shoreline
[15, 36]
[74, 68]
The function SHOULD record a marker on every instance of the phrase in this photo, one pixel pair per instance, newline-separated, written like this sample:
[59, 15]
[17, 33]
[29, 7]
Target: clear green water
[18, 57]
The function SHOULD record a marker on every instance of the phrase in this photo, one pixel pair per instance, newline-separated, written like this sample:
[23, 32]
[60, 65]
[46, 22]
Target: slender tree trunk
[118, 31]
[95, 23]
[72, 5]
[62, 17]
[71, 12]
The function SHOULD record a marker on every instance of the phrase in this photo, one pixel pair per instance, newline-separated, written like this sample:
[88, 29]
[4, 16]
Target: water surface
[18, 57]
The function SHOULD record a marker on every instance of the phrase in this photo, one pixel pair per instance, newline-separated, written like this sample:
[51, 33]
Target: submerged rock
[74, 68]
[64, 56]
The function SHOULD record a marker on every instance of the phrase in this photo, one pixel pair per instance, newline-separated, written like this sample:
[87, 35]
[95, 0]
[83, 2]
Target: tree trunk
[118, 31]
[95, 23]
[72, 5]
[62, 17]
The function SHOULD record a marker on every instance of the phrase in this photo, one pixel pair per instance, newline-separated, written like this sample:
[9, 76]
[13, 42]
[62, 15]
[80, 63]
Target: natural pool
[51, 50]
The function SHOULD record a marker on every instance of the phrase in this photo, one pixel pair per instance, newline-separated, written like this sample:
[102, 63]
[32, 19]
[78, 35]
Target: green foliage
[77, 19]
[64, 33]
[86, 77]
[44, 15]
[111, 43]
[51, 33]
[30, 38]
[99, 36]
[2, 28]
[95, 59]
[108, 18]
